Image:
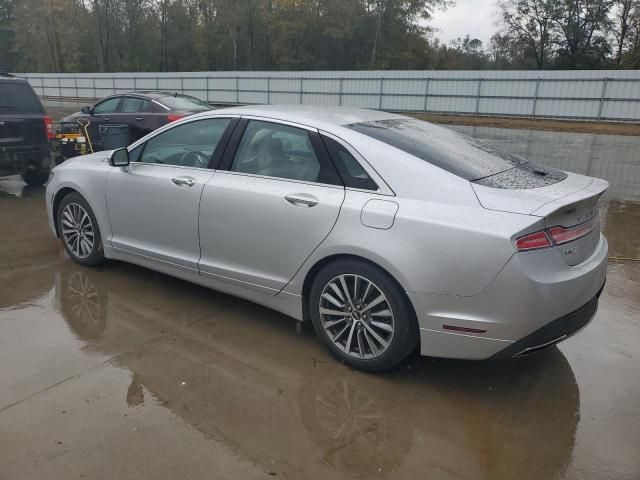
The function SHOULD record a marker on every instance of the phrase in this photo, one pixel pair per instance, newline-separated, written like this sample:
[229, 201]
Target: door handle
[139, 118]
[107, 119]
[184, 181]
[300, 199]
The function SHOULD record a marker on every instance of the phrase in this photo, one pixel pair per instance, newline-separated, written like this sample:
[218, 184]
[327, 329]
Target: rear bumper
[531, 293]
[15, 161]
[553, 332]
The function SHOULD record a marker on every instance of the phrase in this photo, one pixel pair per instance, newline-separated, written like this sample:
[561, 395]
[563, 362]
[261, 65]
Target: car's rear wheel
[362, 315]
[79, 230]
[35, 178]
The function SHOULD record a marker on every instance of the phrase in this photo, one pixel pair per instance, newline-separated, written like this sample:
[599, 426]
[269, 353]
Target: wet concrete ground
[120, 372]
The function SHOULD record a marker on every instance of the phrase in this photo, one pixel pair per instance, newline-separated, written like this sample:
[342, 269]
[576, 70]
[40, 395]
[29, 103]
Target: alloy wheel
[356, 316]
[77, 230]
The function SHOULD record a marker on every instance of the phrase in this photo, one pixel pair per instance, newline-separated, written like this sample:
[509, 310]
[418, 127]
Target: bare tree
[530, 22]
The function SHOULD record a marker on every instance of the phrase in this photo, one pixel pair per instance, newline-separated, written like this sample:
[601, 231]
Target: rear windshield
[182, 102]
[452, 151]
[18, 98]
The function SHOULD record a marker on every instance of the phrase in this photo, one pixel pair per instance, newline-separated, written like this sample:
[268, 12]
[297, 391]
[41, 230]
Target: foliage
[188, 35]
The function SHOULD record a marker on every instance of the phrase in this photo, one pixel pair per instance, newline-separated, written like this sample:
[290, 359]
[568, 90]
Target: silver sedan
[386, 232]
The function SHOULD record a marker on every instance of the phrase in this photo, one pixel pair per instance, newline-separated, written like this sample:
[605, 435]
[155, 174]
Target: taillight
[173, 118]
[555, 236]
[563, 235]
[533, 241]
[48, 125]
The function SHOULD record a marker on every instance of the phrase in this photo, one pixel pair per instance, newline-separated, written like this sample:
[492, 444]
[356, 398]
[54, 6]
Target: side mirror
[86, 110]
[119, 158]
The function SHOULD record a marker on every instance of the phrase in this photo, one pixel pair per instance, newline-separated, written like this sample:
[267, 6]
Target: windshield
[182, 102]
[452, 151]
[18, 98]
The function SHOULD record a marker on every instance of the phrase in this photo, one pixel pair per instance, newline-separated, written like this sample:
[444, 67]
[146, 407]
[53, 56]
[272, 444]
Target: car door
[274, 199]
[101, 114]
[134, 112]
[153, 203]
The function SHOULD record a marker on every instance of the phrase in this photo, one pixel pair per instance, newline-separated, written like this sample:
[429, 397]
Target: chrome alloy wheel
[356, 316]
[77, 230]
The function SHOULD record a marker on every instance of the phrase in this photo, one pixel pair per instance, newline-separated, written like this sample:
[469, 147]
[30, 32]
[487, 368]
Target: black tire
[95, 254]
[35, 178]
[405, 335]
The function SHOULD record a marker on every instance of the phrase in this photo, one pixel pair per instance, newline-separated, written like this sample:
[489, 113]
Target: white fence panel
[585, 95]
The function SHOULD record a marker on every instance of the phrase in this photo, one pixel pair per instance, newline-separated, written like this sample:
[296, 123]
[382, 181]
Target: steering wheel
[195, 159]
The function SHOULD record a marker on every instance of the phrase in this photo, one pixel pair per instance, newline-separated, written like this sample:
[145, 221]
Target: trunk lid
[571, 204]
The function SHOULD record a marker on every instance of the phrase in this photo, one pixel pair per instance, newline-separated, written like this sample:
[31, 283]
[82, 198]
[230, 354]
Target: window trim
[383, 187]
[234, 143]
[215, 156]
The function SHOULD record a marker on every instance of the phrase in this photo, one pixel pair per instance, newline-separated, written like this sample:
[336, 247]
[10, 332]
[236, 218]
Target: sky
[475, 17]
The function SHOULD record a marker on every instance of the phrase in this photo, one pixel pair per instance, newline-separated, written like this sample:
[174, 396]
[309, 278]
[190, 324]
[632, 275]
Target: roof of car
[312, 114]
[153, 93]
[6, 77]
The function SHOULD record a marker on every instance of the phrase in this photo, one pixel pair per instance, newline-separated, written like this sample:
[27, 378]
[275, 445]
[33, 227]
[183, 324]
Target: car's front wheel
[79, 230]
[362, 315]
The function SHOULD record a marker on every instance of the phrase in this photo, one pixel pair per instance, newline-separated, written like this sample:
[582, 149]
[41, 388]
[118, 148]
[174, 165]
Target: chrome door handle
[107, 119]
[182, 181]
[139, 118]
[300, 199]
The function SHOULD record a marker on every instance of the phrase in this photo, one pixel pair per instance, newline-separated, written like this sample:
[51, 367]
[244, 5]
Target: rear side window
[18, 98]
[454, 152]
[132, 104]
[350, 170]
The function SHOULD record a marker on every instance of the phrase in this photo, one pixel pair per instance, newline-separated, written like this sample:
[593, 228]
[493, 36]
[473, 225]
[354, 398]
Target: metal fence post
[207, 88]
[93, 80]
[268, 90]
[181, 84]
[157, 83]
[381, 91]
[135, 84]
[535, 99]
[59, 88]
[237, 89]
[602, 97]
[301, 88]
[340, 92]
[478, 96]
[426, 94]
[75, 82]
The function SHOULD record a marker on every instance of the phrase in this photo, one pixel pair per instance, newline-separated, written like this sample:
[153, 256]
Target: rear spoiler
[595, 188]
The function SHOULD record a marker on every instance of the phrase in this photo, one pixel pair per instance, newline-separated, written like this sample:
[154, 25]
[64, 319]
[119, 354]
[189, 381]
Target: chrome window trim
[383, 187]
[280, 179]
[161, 104]
[281, 122]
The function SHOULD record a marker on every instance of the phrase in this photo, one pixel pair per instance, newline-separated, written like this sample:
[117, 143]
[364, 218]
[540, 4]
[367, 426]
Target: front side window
[132, 105]
[275, 150]
[108, 106]
[188, 145]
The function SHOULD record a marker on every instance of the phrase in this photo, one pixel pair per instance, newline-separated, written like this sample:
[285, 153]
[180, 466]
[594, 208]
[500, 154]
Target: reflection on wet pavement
[120, 372]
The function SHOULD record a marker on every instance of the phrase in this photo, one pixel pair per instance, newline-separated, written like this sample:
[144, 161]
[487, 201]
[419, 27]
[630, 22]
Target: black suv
[25, 130]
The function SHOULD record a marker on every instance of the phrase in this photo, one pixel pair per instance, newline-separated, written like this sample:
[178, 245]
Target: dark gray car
[25, 130]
